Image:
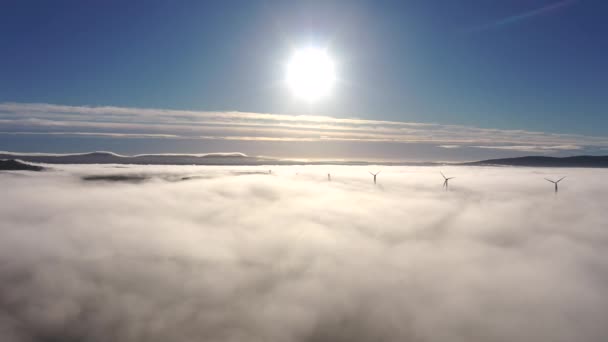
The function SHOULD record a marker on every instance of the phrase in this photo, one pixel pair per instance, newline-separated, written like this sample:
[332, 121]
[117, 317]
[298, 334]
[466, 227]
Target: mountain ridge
[236, 158]
[18, 165]
[544, 161]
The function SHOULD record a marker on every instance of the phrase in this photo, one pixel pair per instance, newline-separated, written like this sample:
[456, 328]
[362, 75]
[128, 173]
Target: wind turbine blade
[378, 172]
[450, 178]
[560, 179]
[371, 173]
[442, 174]
[548, 180]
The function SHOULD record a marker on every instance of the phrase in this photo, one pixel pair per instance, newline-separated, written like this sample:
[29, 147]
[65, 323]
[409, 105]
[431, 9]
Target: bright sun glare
[310, 74]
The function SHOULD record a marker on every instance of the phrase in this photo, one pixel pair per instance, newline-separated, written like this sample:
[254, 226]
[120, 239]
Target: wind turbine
[445, 180]
[555, 182]
[375, 174]
[329, 177]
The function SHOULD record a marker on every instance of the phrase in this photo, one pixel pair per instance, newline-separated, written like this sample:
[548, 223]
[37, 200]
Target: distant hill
[539, 161]
[174, 159]
[17, 165]
[157, 159]
[242, 159]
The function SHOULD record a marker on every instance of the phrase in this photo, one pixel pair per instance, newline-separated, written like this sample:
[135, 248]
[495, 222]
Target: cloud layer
[234, 255]
[173, 125]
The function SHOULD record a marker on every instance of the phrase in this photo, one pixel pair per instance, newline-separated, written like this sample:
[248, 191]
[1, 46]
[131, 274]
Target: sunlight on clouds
[40, 119]
[236, 254]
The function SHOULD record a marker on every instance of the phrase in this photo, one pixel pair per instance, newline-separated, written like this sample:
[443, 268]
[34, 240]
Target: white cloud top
[236, 255]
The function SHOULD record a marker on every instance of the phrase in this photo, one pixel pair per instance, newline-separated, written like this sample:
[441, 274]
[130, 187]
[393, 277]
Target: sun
[310, 74]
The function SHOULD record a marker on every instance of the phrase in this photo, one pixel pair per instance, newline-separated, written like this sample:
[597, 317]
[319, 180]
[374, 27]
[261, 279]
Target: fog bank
[235, 254]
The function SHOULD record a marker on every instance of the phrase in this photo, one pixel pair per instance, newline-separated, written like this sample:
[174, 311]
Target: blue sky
[509, 65]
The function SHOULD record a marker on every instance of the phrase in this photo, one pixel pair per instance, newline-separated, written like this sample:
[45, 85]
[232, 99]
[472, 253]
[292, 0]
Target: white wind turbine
[555, 182]
[445, 180]
[375, 174]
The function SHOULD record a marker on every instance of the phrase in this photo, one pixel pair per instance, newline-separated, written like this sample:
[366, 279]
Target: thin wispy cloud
[533, 148]
[510, 20]
[41, 119]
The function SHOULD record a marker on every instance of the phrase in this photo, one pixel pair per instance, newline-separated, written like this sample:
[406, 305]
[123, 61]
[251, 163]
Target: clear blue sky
[537, 65]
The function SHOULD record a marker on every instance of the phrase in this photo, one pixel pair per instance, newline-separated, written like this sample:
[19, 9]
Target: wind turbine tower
[555, 182]
[445, 181]
[374, 174]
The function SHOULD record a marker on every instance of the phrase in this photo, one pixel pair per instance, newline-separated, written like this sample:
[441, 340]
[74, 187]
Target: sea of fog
[199, 253]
